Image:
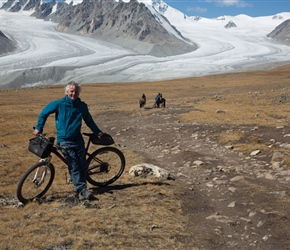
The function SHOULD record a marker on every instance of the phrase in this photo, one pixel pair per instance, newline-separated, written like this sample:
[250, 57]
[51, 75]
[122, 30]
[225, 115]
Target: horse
[162, 102]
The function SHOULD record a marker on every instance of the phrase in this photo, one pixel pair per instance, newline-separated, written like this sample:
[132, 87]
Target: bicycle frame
[55, 151]
[58, 154]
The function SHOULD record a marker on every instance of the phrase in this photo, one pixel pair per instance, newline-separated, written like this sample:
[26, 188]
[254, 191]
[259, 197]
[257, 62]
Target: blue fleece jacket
[68, 118]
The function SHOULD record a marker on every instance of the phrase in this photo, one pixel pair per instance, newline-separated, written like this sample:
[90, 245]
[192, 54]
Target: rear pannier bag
[40, 146]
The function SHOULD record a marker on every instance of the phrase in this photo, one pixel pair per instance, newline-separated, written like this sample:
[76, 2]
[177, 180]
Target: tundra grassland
[133, 212]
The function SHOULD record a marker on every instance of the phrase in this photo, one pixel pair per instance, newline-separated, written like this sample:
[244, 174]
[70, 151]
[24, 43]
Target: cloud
[196, 9]
[230, 3]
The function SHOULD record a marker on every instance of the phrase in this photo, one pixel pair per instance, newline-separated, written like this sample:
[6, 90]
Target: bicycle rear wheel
[105, 166]
[35, 182]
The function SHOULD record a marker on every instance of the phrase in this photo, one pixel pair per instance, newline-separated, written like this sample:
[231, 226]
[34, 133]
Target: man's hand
[100, 134]
[36, 132]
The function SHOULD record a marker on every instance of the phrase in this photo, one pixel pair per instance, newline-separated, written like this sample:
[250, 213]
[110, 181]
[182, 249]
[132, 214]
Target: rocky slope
[6, 44]
[281, 32]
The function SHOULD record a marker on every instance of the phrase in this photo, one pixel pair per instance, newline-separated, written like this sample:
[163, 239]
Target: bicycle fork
[39, 175]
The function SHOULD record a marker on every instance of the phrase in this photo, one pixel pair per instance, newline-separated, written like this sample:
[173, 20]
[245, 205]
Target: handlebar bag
[40, 146]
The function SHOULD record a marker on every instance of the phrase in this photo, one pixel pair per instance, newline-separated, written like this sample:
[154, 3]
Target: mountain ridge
[147, 30]
[131, 25]
[45, 56]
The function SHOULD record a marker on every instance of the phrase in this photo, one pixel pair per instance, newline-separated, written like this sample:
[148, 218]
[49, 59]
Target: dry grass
[128, 210]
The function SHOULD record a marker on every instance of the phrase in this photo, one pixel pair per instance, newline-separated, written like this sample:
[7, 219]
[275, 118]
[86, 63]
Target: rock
[245, 219]
[277, 157]
[276, 165]
[232, 189]
[256, 152]
[269, 176]
[145, 169]
[266, 237]
[220, 218]
[237, 178]
[198, 163]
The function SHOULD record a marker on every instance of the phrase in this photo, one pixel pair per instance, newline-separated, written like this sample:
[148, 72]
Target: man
[69, 113]
[157, 101]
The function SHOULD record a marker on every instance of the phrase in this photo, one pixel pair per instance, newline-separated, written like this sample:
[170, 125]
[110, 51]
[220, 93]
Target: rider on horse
[142, 101]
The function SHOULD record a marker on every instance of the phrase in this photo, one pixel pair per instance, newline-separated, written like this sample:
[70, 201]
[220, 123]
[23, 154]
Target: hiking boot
[85, 195]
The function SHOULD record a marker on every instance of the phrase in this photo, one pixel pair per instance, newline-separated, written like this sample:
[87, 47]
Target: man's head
[73, 90]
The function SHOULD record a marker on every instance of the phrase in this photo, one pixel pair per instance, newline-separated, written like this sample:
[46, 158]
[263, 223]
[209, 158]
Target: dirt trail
[232, 201]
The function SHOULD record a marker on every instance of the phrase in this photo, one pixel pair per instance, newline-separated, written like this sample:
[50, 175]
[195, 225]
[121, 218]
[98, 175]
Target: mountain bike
[105, 165]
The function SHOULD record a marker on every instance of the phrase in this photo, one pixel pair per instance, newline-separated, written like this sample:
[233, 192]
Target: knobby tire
[27, 190]
[105, 166]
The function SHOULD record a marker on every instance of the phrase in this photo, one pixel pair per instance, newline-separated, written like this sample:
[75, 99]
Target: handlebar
[42, 135]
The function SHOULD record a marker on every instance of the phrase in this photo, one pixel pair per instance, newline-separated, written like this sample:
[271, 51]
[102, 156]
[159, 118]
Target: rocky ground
[232, 200]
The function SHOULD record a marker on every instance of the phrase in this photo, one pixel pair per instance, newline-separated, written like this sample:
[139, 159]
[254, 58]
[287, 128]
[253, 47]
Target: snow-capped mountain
[131, 24]
[44, 55]
[281, 32]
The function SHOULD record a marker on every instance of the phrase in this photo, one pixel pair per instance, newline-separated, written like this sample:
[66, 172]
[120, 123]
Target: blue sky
[215, 8]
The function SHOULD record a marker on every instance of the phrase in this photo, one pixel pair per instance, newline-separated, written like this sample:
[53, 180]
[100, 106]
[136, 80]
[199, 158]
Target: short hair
[72, 83]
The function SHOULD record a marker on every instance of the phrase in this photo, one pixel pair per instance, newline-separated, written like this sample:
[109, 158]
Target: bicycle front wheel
[35, 182]
[105, 166]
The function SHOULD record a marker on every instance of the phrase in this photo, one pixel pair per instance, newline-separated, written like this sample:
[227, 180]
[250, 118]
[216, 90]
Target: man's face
[72, 92]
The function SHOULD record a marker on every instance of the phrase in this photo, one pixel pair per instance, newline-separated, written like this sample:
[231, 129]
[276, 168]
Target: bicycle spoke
[35, 182]
[31, 188]
[105, 166]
